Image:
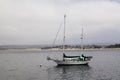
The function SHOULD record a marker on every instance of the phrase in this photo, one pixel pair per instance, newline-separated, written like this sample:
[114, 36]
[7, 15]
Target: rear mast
[64, 34]
[82, 47]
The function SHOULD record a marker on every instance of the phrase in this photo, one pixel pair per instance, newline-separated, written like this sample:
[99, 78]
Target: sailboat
[71, 60]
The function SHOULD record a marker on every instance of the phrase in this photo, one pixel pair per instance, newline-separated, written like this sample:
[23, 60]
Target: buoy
[40, 65]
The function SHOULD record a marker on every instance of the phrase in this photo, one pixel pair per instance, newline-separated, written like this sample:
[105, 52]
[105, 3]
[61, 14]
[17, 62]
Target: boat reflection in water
[82, 72]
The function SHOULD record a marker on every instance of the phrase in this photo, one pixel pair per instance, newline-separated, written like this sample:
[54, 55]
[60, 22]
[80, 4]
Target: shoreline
[39, 49]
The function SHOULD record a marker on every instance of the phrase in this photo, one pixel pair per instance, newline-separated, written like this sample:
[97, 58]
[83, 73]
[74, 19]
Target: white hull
[61, 62]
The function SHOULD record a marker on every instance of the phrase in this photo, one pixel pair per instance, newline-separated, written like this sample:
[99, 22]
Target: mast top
[64, 15]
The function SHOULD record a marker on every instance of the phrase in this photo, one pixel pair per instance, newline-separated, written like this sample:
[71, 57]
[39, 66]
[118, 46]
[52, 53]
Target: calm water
[25, 65]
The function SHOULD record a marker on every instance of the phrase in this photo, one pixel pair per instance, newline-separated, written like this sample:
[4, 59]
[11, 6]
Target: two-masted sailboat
[71, 60]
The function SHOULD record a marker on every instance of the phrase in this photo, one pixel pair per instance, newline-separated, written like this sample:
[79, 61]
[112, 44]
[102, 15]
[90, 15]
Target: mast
[64, 33]
[82, 47]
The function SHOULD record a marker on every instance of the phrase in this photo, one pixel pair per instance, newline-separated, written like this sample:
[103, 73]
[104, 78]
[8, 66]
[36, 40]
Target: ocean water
[25, 65]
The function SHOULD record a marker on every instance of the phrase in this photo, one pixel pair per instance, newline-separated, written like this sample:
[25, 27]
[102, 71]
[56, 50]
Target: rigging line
[57, 33]
[72, 35]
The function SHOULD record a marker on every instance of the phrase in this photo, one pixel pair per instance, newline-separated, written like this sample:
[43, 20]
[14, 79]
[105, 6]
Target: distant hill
[5, 47]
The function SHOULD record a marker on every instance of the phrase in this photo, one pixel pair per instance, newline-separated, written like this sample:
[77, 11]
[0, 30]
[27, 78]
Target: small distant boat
[71, 60]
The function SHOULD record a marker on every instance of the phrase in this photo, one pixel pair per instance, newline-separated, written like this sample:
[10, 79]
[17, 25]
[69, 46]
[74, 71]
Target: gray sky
[37, 21]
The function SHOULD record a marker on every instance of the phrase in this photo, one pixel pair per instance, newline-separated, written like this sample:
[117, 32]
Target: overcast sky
[37, 21]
